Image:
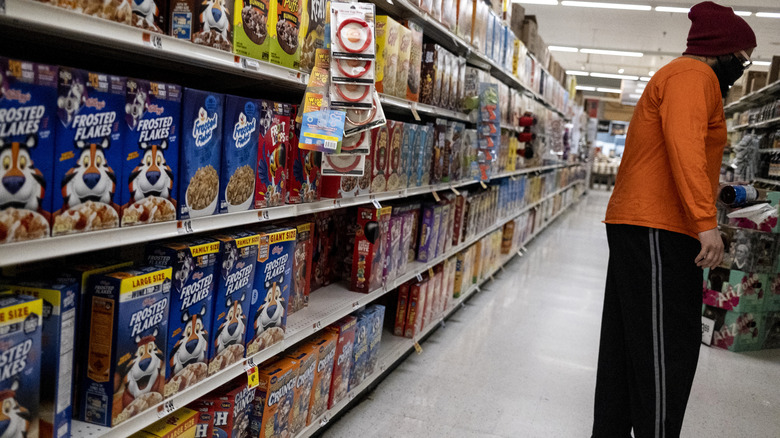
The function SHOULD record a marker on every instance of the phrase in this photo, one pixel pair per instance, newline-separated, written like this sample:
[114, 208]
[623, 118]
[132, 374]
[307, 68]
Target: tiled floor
[519, 360]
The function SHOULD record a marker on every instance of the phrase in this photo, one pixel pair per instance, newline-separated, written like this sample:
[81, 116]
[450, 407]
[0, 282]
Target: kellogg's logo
[203, 128]
[242, 131]
[154, 108]
[17, 95]
[277, 250]
[93, 102]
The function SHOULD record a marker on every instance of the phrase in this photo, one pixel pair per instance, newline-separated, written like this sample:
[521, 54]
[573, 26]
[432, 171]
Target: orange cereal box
[325, 345]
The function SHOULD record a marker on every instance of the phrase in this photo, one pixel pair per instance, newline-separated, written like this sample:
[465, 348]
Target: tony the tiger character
[191, 347]
[14, 419]
[144, 12]
[91, 179]
[153, 176]
[145, 374]
[271, 311]
[23, 185]
[231, 331]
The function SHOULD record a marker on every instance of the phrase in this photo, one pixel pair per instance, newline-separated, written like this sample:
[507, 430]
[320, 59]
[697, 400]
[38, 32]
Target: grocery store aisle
[520, 359]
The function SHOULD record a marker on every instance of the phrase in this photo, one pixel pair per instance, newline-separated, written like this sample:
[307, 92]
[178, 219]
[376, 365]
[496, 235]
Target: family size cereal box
[402, 307]
[415, 62]
[306, 356]
[151, 152]
[387, 45]
[360, 350]
[27, 135]
[271, 188]
[125, 373]
[180, 424]
[20, 364]
[250, 33]
[302, 267]
[342, 362]
[57, 341]
[283, 28]
[213, 27]
[369, 249]
[274, 399]
[88, 151]
[151, 15]
[312, 35]
[239, 154]
[272, 285]
[325, 346]
[404, 58]
[201, 152]
[195, 271]
[380, 142]
[416, 311]
[231, 409]
[237, 260]
[376, 322]
[394, 163]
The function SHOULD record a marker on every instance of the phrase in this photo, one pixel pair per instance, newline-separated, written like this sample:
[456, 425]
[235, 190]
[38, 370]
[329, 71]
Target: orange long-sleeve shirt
[668, 177]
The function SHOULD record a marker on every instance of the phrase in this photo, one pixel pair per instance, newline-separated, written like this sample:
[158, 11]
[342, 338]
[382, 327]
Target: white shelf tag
[185, 227]
[294, 75]
[152, 40]
[454, 190]
[250, 64]
[324, 420]
[355, 305]
[263, 215]
[166, 409]
[317, 325]
[337, 203]
[419, 277]
[707, 330]
[413, 106]
[377, 205]
[436, 196]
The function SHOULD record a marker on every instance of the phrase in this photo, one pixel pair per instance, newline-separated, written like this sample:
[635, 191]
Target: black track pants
[650, 333]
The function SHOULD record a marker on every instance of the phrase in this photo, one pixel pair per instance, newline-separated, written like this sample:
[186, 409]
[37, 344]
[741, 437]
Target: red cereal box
[302, 267]
[271, 186]
[400, 314]
[395, 143]
[380, 140]
[303, 169]
[369, 248]
[416, 309]
[342, 362]
[325, 345]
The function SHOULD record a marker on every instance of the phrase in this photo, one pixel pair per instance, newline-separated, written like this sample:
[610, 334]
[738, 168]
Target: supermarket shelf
[42, 249]
[755, 98]
[332, 303]
[770, 182]
[68, 26]
[409, 107]
[759, 125]
[768, 151]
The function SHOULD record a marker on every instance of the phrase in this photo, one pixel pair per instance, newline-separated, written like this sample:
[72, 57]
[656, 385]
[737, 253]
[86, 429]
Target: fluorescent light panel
[577, 73]
[608, 90]
[764, 14]
[612, 52]
[672, 9]
[562, 49]
[635, 96]
[644, 78]
[743, 13]
[762, 63]
[585, 88]
[537, 2]
[632, 7]
[613, 76]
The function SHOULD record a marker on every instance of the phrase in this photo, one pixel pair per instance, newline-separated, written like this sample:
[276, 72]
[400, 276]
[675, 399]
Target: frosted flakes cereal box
[150, 15]
[325, 346]
[360, 350]
[376, 323]
[88, 151]
[302, 267]
[271, 185]
[239, 154]
[306, 356]
[195, 272]
[236, 264]
[274, 399]
[271, 292]
[201, 153]
[125, 371]
[28, 96]
[151, 152]
[58, 338]
[342, 363]
[20, 364]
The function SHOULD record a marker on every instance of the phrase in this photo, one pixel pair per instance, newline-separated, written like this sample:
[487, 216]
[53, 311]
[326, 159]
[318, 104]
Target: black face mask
[728, 69]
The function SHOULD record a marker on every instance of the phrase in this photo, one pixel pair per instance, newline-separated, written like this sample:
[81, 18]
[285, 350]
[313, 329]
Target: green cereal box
[250, 30]
[283, 28]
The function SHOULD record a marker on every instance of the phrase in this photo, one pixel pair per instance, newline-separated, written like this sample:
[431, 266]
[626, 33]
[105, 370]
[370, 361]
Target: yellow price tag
[417, 347]
[482, 183]
[430, 272]
[436, 196]
[252, 377]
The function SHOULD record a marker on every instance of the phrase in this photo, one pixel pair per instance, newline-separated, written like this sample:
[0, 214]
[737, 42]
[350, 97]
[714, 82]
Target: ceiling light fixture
[608, 90]
[537, 2]
[631, 7]
[584, 88]
[562, 49]
[767, 63]
[743, 13]
[644, 78]
[765, 14]
[635, 96]
[613, 76]
[576, 73]
[651, 73]
[671, 9]
[612, 52]
[621, 70]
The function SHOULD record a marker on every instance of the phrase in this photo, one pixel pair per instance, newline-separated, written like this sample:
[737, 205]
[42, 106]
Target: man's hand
[711, 249]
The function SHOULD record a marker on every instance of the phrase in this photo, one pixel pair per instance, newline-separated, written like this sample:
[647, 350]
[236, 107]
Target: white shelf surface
[421, 108]
[326, 306]
[47, 248]
[755, 98]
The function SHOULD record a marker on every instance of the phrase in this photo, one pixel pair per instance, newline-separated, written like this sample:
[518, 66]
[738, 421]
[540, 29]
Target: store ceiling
[660, 36]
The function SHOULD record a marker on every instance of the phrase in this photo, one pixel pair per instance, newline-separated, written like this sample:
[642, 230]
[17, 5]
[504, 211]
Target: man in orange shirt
[662, 230]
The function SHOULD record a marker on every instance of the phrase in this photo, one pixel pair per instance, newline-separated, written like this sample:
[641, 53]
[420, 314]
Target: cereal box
[438, 152]
[404, 58]
[429, 232]
[342, 362]
[180, 18]
[394, 162]
[128, 314]
[151, 15]
[432, 298]
[302, 267]
[250, 33]
[380, 142]
[204, 426]
[393, 247]
[312, 35]
[347, 186]
[429, 73]
[27, 135]
[239, 154]
[360, 350]
[444, 228]
[325, 346]
[303, 175]
[201, 153]
[274, 399]
[415, 62]
[416, 311]
[20, 363]
[405, 245]
[151, 152]
[180, 424]
[407, 155]
[422, 164]
[213, 27]
[57, 341]
[195, 272]
[271, 189]
[403, 304]
[283, 27]
[237, 260]
[369, 248]
[88, 151]
[387, 45]
[231, 409]
[271, 292]
[376, 323]
[306, 356]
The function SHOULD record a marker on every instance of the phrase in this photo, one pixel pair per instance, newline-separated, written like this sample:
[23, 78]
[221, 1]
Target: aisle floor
[520, 359]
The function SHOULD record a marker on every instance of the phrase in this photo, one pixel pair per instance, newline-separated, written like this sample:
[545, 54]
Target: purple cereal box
[429, 232]
[239, 154]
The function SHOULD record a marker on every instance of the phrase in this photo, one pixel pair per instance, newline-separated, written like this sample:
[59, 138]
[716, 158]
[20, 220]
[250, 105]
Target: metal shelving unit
[755, 98]
[332, 303]
[390, 103]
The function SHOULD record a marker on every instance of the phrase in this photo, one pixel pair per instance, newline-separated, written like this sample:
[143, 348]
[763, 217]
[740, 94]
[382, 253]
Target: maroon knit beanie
[716, 30]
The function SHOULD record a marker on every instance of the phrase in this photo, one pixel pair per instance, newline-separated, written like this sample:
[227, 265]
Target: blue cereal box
[273, 281]
[57, 342]
[28, 96]
[124, 372]
[360, 350]
[239, 154]
[376, 323]
[408, 178]
[200, 153]
[238, 257]
[195, 272]
[151, 152]
[20, 364]
[88, 151]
